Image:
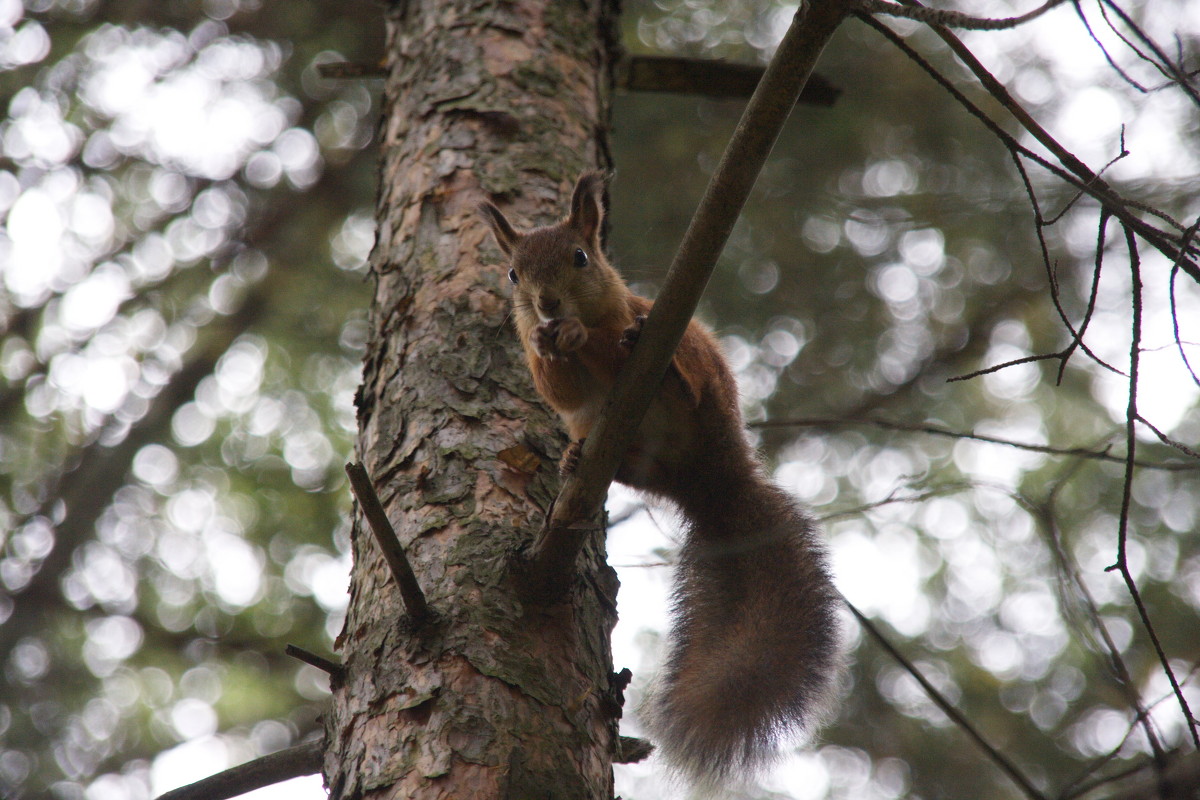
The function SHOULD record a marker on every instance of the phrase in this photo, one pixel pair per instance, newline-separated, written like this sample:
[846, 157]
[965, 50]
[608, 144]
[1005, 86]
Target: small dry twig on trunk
[385, 534]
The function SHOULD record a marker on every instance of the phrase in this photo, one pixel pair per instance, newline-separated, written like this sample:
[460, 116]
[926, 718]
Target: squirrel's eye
[512, 275]
[580, 258]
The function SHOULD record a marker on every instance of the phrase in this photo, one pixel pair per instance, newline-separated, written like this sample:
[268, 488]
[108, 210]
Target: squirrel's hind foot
[570, 458]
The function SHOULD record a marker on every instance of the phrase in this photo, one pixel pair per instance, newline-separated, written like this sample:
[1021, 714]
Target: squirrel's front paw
[631, 334]
[571, 335]
[556, 338]
[570, 458]
[545, 340]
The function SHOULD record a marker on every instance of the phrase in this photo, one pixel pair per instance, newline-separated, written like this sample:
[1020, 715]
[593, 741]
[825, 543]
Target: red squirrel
[754, 649]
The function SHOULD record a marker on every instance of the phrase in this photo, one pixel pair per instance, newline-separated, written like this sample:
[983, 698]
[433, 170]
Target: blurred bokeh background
[187, 208]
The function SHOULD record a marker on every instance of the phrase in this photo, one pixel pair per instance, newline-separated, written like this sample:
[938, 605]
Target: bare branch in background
[1131, 419]
[952, 19]
[1167, 440]
[708, 78]
[999, 759]
[1074, 596]
[934, 430]
[704, 77]
[1188, 235]
[1076, 174]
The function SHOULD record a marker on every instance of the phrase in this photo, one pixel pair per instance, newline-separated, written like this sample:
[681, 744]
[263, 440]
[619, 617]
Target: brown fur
[754, 649]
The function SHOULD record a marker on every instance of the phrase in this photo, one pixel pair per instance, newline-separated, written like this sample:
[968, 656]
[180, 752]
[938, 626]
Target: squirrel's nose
[548, 305]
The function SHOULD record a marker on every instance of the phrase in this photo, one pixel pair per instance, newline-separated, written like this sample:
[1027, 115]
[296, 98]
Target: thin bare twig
[1187, 237]
[933, 430]
[1091, 182]
[1167, 440]
[1076, 174]
[385, 534]
[1165, 65]
[1131, 419]
[1064, 355]
[1080, 786]
[1107, 56]
[1091, 303]
[999, 759]
[952, 19]
[1122, 154]
[1015, 362]
[1181, 779]
[1071, 584]
[1137, 51]
[894, 497]
[1173, 345]
[313, 660]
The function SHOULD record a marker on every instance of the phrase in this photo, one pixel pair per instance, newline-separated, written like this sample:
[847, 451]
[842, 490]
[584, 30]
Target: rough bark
[491, 698]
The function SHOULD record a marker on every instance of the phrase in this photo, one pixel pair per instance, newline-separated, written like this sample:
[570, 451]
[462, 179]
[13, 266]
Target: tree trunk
[491, 698]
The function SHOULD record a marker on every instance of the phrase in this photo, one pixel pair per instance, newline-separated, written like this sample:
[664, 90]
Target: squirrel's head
[559, 270]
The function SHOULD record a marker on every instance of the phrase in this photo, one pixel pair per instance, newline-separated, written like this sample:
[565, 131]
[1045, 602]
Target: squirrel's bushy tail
[755, 649]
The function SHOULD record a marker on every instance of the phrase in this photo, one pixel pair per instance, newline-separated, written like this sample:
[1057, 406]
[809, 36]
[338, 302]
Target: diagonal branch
[999, 759]
[1104, 49]
[294, 762]
[551, 563]
[1167, 440]
[313, 660]
[1180, 779]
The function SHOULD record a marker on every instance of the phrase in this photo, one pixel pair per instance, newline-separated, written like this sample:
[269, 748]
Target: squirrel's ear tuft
[587, 211]
[506, 235]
